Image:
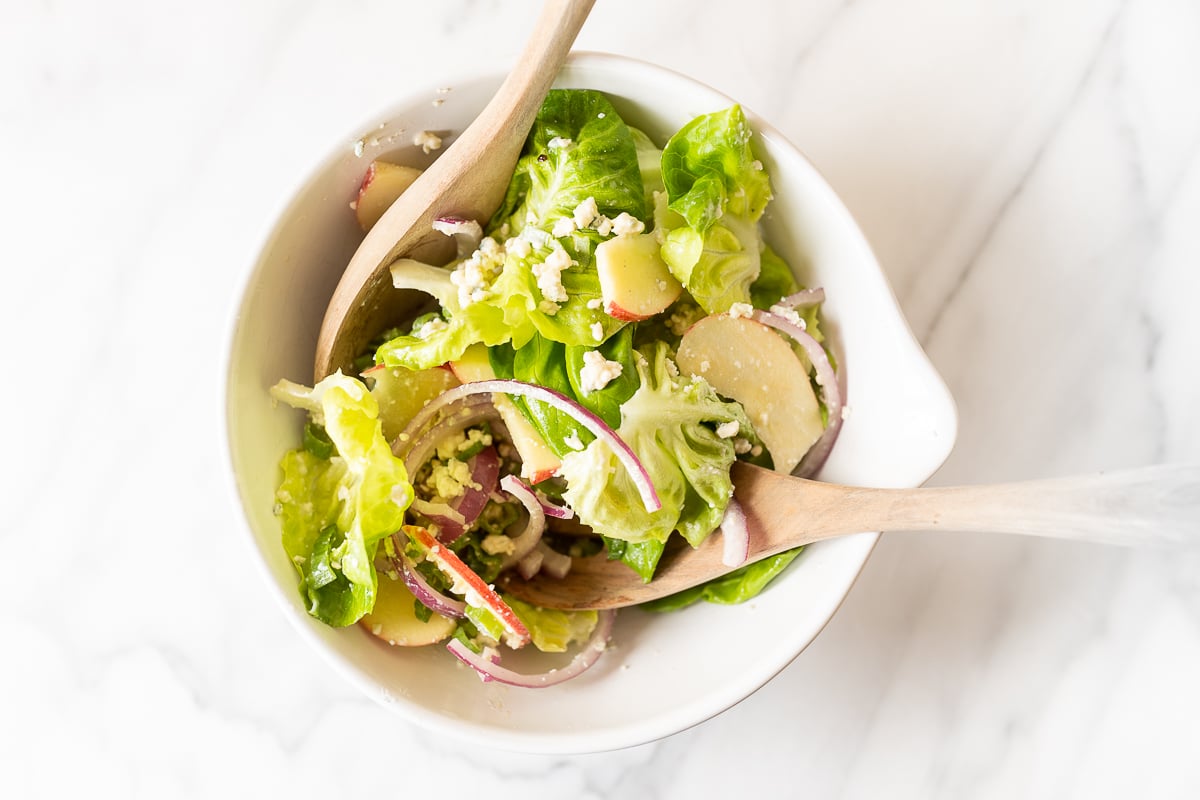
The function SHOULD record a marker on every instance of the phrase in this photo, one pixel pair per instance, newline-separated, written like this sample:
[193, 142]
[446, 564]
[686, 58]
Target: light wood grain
[1154, 506]
[469, 180]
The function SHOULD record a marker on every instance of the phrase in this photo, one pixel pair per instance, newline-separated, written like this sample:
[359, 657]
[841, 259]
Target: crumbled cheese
[564, 226]
[573, 441]
[756, 451]
[475, 275]
[431, 327]
[597, 331]
[558, 143]
[727, 430]
[741, 310]
[595, 303]
[757, 165]
[597, 371]
[548, 307]
[604, 226]
[518, 247]
[741, 446]
[549, 275]
[450, 479]
[428, 141]
[790, 314]
[495, 544]
[626, 224]
[586, 212]
[704, 365]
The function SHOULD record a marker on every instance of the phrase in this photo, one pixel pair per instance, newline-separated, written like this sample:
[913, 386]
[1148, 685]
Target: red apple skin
[447, 560]
[616, 312]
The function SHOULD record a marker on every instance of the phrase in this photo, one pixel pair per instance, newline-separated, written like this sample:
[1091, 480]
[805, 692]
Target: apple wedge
[401, 393]
[381, 185]
[749, 362]
[538, 461]
[394, 618]
[470, 585]
[635, 283]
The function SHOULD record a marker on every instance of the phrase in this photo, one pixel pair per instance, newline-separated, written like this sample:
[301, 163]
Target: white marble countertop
[1028, 174]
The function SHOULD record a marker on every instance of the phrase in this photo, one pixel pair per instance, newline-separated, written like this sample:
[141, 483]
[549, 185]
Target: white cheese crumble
[558, 143]
[604, 226]
[595, 303]
[597, 331]
[428, 141]
[741, 446]
[790, 314]
[549, 275]
[597, 371]
[586, 212]
[518, 247]
[495, 544]
[563, 226]
[727, 430]
[626, 224]
[741, 310]
[573, 441]
[475, 275]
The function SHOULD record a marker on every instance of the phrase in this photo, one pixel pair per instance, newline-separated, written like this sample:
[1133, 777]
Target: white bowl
[664, 673]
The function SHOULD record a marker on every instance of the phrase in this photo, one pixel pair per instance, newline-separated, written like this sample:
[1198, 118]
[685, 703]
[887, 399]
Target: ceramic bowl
[663, 672]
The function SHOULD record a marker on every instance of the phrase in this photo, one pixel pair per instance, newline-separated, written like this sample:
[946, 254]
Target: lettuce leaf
[335, 511]
[736, 587]
[669, 423]
[553, 631]
[557, 366]
[719, 191]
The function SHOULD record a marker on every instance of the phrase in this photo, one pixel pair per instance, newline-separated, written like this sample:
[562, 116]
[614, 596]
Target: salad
[588, 369]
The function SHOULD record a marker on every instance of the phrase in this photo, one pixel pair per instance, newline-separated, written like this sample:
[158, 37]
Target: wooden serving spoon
[468, 181]
[1150, 506]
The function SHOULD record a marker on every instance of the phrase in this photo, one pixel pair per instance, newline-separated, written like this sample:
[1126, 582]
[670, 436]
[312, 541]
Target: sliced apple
[538, 461]
[467, 583]
[401, 393]
[381, 185]
[394, 618]
[749, 362]
[635, 282]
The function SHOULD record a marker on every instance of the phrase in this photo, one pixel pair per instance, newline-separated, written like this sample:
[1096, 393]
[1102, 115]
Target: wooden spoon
[468, 181]
[1150, 506]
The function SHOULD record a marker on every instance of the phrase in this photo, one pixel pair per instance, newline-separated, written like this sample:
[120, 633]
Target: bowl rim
[470, 731]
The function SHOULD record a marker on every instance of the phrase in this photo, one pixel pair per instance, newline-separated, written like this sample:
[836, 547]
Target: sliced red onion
[467, 233]
[416, 447]
[735, 536]
[490, 670]
[554, 563]
[485, 469]
[831, 394]
[428, 596]
[804, 298]
[587, 419]
[531, 564]
[551, 510]
[528, 539]
[443, 516]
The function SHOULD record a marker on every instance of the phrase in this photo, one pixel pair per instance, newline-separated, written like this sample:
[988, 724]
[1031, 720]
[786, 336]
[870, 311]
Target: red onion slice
[428, 596]
[587, 419]
[490, 670]
[554, 563]
[467, 233]
[528, 539]
[827, 381]
[485, 469]
[735, 536]
[804, 298]
[551, 510]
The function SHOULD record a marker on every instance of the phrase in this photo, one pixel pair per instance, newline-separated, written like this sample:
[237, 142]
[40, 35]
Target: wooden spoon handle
[1153, 506]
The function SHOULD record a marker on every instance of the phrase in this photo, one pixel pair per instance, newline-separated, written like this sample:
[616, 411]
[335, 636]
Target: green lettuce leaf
[334, 511]
[719, 191]
[553, 631]
[669, 423]
[557, 366]
[736, 587]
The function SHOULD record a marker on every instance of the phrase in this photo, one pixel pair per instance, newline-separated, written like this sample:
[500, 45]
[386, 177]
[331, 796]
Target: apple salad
[600, 352]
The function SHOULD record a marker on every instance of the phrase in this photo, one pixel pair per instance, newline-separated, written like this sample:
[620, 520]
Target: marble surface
[1028, 174]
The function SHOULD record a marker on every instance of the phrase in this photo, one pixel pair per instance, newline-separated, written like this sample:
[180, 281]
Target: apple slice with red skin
[381, 185]
[635, 283]
[747, 361]
[394, 618]
[538, 461]
[517, 635]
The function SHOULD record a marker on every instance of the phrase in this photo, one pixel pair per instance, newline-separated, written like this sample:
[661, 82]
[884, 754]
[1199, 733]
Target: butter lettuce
[669, 423]
[334, 511]
[718, 190]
